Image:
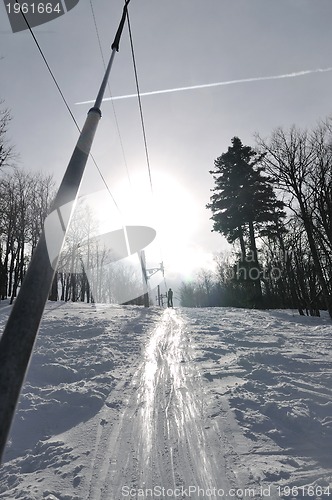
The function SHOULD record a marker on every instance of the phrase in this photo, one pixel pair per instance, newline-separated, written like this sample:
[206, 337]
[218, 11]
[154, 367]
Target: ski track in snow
[162, 426]
[124, 397]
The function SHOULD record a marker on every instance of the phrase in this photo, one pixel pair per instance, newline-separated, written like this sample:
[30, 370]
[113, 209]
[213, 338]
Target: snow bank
[262, 380]
[274, 368]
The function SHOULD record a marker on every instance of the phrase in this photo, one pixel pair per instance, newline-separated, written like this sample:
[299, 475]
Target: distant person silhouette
[170, 298]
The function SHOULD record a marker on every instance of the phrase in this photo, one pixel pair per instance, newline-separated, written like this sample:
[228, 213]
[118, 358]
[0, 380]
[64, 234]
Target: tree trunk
[256, 280]
[242, 245]
[309, 230]
[54, 288]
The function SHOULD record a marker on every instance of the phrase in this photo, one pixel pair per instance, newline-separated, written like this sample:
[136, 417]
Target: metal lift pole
[141, 255]
[21, 330]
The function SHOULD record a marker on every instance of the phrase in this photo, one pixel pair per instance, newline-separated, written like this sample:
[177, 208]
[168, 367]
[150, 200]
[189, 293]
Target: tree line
[87, 271]
[24, 203]
[273, 203]
[84, 272]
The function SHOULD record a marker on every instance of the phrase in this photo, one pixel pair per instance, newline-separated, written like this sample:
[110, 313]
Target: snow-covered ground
[127, 402]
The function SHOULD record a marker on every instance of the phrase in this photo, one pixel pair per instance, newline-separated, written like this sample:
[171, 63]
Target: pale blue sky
[177, 43]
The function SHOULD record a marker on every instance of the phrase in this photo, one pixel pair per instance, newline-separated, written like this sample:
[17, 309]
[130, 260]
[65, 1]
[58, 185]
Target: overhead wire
[72, 115]
[65, 101]
[49, 68]
[124, 227]
[139, 101]
[110, 92]
[147, 155]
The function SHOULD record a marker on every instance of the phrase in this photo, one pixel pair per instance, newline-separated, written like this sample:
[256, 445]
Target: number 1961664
[34, 8]
[304, 491]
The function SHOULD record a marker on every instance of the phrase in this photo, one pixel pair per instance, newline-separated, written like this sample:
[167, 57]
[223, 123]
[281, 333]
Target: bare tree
[20, 193]
[72, 262]
[7, 154]
[291, 158]
[320, 180]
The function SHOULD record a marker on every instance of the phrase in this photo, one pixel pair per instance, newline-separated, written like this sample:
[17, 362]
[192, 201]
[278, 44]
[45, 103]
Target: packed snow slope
[126, 402]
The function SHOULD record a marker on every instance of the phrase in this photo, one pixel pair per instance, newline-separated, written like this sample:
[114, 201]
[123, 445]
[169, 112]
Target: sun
[168, 207]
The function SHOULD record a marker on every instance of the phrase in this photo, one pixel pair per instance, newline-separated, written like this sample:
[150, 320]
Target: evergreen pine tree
[244, 206]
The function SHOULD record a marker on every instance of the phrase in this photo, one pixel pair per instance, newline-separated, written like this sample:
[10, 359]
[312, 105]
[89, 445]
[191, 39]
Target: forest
[82, 273]
[272, 201]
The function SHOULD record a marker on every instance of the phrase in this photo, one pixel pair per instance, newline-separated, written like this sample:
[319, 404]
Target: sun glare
[169, 208]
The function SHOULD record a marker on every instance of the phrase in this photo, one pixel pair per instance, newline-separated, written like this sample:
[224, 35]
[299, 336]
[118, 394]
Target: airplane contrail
[217, 84]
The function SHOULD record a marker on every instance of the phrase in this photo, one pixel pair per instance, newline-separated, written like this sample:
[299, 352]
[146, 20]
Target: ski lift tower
[154, 270]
